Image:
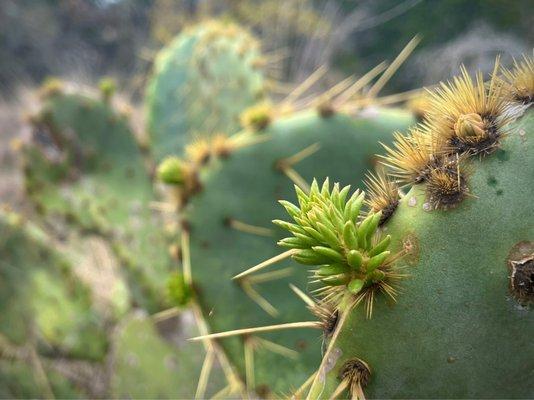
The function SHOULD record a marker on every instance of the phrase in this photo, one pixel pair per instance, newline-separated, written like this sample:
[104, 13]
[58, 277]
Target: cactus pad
[202, 82]
[241, 190]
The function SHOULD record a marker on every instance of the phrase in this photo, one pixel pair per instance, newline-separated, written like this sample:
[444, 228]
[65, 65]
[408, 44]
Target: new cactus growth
[228, 224]
[461, 325]
[201, 83]
[349, 256]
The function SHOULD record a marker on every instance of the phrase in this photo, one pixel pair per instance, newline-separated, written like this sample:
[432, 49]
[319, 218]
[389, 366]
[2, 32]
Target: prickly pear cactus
[42, 300]
[229, 224]
[434, 300]
[201, 83]
[83, 166]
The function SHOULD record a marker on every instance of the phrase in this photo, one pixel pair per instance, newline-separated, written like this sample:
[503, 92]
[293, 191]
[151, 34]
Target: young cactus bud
[258, 117]
[469, 125]
[171, 171]
[107, 88]
[349, 257]
[178, 291]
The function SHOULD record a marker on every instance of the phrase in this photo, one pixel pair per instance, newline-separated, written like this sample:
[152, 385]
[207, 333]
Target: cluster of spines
[464, 117]
[349, 254]
[519, 82]
[183, 173]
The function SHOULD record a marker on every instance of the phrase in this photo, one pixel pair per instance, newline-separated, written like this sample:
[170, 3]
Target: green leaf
[381, 246]
[350, 237]
[376, 261]
[329, 235]
[336, 280]
[291, 209]
[332, 269]
[354, 259]
[330, 253]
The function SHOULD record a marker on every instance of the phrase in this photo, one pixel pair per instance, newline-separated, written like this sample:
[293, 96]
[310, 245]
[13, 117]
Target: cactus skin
[455, 324]
[84, 166]
[245, 186]
[40, 292]
[201, 83]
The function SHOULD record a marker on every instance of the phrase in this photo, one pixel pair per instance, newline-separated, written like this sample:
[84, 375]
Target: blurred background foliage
[91, 38]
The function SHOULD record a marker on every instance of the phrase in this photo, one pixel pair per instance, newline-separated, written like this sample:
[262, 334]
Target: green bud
[336, 280]
[171, 171]
[291, 209]
[329, 235]
[321, 217]
[363, 229]
[310, 257]
[355, 286]
[352, 211]
[381, 246]
[332, 269]
[292, 243]
[350, 237]
[288, 226]
[376, 261]
[325, 188]
[314, 188]
[373, 225]
[336, 218]
[343, 196]
[377, 275]
[302, 197]
[354, 259]
[328, 252]
[307, 240]
[334, 196]
[313, 233]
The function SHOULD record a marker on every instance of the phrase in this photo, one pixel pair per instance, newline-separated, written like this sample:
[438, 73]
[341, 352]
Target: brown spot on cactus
[521, 267]
[355, 374]
[410, 245]
[326, 109]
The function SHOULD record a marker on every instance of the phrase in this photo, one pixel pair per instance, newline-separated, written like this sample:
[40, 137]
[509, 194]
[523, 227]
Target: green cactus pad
[85, 167]
[245, 187]
[42, 298]
[18, 380]
[148, 366]
[457, 329]
[201, 83]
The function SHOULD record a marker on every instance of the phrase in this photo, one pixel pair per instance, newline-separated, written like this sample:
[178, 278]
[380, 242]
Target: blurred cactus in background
[201, 82]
